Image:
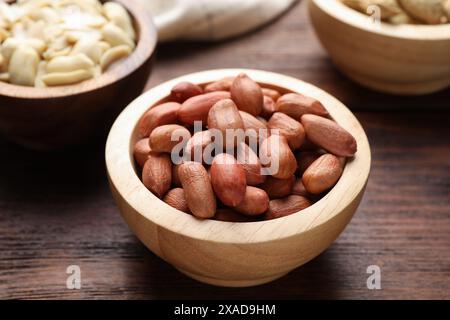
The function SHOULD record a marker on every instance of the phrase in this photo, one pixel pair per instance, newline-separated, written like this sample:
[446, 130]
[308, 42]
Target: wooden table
[56, 209]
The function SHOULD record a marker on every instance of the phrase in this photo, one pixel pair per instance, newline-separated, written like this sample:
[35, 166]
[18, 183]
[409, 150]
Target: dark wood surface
[56, 209]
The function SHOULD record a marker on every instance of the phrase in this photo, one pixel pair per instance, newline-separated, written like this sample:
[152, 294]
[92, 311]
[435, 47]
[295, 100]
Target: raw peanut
[252, 166]
[185, 90]
[329, 135]
[283, 207]
[23, 66]
[69, 63]
[176, 198]
[228, 179]
[197, 189]
[159, 115]
[221, 85]
[252, 126]
[305, 159]
[322, 174]
[247, 94]
[288, 127]
[196, 108]
[256, 202]
[295, 105]
[165, 138]
[268, 107]
[116, 36]
[196, 145]
[225, 115]
[141, 151]
[275, 153]
[65, 78]
[278, 188]
[271, 93]
[175, 178]
[113, 54]
[157, 173]
[229, 215]
[428, 11]
[117, 14]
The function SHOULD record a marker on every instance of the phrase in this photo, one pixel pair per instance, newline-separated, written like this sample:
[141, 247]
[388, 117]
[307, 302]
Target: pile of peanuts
[60, 42]
[309, 147]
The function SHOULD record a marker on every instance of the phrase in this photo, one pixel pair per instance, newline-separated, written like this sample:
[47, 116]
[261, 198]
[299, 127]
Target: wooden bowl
[404, 59]
[225, 253]
[43, 118]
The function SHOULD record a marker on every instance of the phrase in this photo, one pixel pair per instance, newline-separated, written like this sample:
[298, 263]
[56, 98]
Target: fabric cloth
[211, 19]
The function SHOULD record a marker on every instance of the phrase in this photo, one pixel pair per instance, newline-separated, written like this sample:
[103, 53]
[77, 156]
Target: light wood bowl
[224, 253]
[45, 118]
[404, 59]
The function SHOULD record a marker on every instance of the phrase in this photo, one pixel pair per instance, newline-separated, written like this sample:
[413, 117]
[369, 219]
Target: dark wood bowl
[48, 118]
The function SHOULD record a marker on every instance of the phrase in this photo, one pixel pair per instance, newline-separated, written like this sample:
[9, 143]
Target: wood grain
[56, 208]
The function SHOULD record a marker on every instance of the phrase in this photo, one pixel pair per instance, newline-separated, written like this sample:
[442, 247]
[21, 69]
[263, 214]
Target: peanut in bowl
[231, 253]
[47, 117]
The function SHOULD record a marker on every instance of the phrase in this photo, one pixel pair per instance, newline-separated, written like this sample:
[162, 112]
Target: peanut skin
[288, 127]
[159, 115]
[283, 207]
[278, 156]
[197, 107]
[157, 173]
[256, 202]
[278, 188]
[247, 94]
[185, 90]
[323, 173]
[141, 151]
[177, 199]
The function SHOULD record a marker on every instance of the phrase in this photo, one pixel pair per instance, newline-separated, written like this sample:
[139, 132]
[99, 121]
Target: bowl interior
[123, 173]
[340, 11]
[146, 36]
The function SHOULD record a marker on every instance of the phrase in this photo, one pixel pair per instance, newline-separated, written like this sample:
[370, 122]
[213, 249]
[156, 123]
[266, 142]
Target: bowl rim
[125, 181]
[144, 49]
[340, 11]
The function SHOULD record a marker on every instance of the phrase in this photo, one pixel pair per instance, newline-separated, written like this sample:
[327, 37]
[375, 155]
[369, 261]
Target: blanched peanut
[23, 66]
[117, 14]
[114, 54]
[70, 63]
[91, 47]
[116, 36]
[65, 78]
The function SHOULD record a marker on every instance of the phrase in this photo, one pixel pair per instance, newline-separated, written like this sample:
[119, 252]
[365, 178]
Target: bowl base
[419, 88]
[231, 282]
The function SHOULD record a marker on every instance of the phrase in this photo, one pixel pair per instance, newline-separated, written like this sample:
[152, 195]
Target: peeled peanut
[323, 173]
[65, 78]
[159, 115]
[23, 66]
[247, 94]
[295, 105]
[228, 179]
[113, 54]
[278, 188]
[283, 207]
[251, 164]
[91, 47]
[329, 135]
[69, 63]
[176, 198]
[157, 173]
[198, 190]
[116, 36]
[164, 138]
[141, 151]
[288, 127]
[276, 155]
[255, 202]
[117, 14]
[197, 108]
[185, 90]
[224, 116]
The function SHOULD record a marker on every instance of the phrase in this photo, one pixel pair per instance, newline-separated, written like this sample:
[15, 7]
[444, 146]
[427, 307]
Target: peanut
[296, 105]
[177, 199]
[269, 107]
[198, 190]
[251, 164]
[228, 179]
[271, 93]
[225, 115]
[323, 173]
[255, 202]
[195, 147]
[185, 90]
[141, 151]
[278, 188]
[329, 135]
[166, 113]
[221, 85]
[305, 159]
[276, 152]
[283, 207]
[165, 138]
[247, 94]
[157, 173]
[197, 108]
[288, 127]
[229, 215]
[252, 126]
